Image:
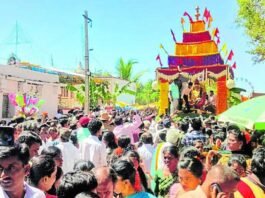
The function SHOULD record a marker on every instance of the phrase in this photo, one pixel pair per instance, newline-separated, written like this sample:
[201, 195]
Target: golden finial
[197, 15]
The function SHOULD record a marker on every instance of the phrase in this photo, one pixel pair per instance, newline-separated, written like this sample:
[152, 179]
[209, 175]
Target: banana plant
[234, 97]
[97, 92]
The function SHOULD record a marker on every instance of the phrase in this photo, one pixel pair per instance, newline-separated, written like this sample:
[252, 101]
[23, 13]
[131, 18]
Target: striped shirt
[189, 138]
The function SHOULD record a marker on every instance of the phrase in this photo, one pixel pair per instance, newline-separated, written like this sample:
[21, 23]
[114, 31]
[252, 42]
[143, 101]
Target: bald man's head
[221, 174]
[105, 179]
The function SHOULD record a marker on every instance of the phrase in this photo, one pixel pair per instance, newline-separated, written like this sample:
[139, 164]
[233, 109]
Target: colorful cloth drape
[175, 61]
[163, 99]
[197, 26]
[222, 94]
[214, 71]
[197, 37]
[203, 48]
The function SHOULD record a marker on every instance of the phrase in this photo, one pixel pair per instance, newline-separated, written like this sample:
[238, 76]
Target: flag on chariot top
[162, 47]
[173, 35]
[159, 59]
[230, 56]
[210, 20]
[186, 14]
[206, 14]
[234, 65]
[182, 20]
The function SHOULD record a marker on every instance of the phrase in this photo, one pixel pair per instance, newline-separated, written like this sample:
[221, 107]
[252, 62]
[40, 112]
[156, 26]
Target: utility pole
[87, 72]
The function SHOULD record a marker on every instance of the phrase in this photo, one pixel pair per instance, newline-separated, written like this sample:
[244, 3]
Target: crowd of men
[129, 154]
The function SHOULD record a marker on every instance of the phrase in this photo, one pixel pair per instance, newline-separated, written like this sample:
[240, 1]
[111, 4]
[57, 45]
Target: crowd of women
[129, 154]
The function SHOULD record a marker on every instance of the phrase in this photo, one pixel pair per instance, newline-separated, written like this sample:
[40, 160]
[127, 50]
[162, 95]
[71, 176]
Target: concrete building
[16, 79]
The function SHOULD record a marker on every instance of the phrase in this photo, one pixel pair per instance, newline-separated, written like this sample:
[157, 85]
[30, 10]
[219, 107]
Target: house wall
[18, 80]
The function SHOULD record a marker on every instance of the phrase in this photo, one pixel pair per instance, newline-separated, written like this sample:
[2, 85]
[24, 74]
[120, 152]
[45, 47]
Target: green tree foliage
[125, 70]
[97, 92]
[145, 94]
[120, 90]
[251, 15]
[234, 97]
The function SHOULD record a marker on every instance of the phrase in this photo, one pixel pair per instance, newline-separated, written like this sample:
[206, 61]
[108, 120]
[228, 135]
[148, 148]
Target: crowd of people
[129, 154]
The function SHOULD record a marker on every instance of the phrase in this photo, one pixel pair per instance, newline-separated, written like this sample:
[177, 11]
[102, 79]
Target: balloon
[230, 84]
[155, 85]
[25, 99]
[20, 100]
[28, 100]
[33, 101]
[12, 99]
[33, 110]
[26, 110]
[40, 103]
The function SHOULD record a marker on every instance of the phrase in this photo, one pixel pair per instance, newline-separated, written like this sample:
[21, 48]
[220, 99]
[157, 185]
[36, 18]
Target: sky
[53, 31]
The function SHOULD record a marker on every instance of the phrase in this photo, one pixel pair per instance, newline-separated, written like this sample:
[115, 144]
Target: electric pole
[87, 71]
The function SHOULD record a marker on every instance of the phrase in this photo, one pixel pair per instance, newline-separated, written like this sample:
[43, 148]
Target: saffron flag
[213, 32]
[234, 65]
[216, 32]
[186, 14]
[173, 35]
[159, 59]
[182, 20]
[230, 56]
[182, 23]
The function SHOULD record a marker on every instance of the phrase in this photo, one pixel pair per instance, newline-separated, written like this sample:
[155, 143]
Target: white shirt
[186, 91]
[70, 155]
[31, 192]
[128, 129]
[146, 152]
[93, 150]
[212, 100]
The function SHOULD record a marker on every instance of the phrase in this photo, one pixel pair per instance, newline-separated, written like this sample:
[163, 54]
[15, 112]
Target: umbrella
[249, 114]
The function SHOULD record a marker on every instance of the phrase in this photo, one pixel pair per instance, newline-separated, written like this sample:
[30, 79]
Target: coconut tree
[125, 70]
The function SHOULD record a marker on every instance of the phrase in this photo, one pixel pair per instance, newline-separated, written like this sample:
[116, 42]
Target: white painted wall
[18, 80]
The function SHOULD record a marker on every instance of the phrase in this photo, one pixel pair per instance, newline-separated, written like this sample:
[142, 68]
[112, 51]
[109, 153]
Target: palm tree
[125, 70]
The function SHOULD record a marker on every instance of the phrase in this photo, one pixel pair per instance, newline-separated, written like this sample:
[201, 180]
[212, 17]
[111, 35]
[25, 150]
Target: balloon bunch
[26, 105]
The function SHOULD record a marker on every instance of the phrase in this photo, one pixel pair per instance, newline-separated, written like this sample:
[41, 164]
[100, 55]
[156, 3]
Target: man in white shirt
[211, 106]
[126, 129]
[185, 95]
[13, 169]
[69, 151]
[146, 151]
[92, 149]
